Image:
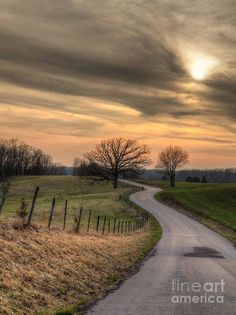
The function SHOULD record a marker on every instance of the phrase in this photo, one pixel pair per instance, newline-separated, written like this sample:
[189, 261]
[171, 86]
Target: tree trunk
[172, 180]
[115, 182]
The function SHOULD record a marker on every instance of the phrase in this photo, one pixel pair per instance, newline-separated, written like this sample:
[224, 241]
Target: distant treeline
[19, 158]
[227, 175]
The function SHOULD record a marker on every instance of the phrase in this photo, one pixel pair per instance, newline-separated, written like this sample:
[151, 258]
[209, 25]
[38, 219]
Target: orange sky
[73, 131]
[162, 72]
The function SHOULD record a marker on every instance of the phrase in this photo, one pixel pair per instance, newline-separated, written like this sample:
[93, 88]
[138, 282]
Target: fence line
[101, 224]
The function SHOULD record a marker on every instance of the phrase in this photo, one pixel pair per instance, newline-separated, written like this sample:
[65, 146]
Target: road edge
[144, 256]
[209, 223]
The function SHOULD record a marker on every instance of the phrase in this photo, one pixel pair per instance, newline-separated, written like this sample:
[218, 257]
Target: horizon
[131, 70]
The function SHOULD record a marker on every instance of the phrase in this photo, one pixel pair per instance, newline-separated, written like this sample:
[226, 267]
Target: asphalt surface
[187, 253]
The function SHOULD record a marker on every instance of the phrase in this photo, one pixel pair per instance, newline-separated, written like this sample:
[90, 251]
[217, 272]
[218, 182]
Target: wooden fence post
[114, 226]
[118, 228]
[65, 215]
[98, 219]
[51, 212]
[79, 220]
[109, 224]
[32, 206]
[89, 219]
[104, 225]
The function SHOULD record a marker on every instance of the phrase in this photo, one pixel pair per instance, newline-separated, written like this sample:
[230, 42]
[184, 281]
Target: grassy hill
[99, 196]
[212, 204]
[45, 271]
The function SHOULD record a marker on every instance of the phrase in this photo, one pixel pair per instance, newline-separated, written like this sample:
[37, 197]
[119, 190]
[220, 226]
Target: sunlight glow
[202, 67]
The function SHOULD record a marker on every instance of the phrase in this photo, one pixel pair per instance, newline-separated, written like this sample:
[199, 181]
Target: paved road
[188, 252]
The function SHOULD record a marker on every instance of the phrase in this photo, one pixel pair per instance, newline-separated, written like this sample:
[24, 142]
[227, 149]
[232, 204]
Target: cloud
[106, 47]
[109, 56]
[79, 57]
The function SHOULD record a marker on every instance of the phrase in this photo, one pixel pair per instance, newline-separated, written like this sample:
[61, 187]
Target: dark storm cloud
[117, 51]
[161, 71]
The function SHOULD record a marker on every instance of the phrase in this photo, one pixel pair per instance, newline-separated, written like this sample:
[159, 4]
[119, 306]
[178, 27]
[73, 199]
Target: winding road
[192, 270]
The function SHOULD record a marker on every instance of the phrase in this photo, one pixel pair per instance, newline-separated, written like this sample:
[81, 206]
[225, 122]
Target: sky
[75, 72]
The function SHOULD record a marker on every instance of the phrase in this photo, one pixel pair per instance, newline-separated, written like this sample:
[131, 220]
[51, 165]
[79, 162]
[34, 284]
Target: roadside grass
[147, 244]
[43, 272]
[212, 204]
[94, 194]
[56, 272]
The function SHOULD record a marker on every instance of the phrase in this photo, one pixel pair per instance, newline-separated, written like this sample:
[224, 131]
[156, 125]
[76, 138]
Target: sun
[202, 67]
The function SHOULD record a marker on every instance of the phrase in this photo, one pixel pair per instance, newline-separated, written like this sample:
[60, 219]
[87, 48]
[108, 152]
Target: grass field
[58, 272]
[99, 196]
[213, 204]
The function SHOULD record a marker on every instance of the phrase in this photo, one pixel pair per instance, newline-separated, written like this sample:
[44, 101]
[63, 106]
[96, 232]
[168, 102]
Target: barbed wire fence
[85, 220]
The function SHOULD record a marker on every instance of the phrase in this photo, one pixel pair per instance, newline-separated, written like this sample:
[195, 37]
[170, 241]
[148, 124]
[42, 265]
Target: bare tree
[117, 156]
[171, 159]
[18, 158]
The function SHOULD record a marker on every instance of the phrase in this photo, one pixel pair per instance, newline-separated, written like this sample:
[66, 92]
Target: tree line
[218, 175]
[110, 159]
[126, 158]
[19, 158]
[227, 175]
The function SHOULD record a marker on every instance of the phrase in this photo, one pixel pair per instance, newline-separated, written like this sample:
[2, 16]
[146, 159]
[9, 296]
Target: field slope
[92, 194]
[212, 204]
[42, 271]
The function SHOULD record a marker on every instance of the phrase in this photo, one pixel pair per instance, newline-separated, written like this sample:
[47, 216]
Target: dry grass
[42, 270]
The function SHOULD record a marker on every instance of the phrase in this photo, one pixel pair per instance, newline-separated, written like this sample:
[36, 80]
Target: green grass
[214, 204]
[155, 228]
[155, 233]
[154, 237]
[99, 196]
